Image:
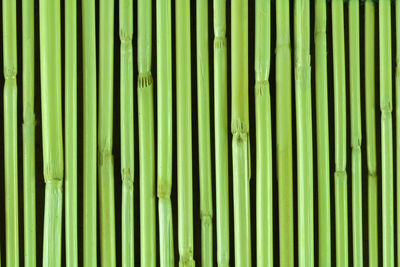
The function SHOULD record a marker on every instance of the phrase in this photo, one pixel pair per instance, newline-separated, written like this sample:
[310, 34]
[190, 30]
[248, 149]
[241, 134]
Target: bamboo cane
[284, 132]
[263, 135]
[385, 84]
[184, 133]
[127, 131]
[203, 107]
[164, 132]
[221, 133]
[146, 137]
[105, 132]
[339, 79]
[10, 131]
[53, 161]
[369, 22]
[89, 134]
[355, 118]
[28, 129]
[397, 6]
[240, 132]
[321, 92]
[71, 187]
[304, 132]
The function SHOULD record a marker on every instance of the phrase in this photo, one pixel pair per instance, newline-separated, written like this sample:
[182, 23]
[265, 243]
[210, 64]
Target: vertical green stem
[10, 131]
[397, 6]
[264, 223]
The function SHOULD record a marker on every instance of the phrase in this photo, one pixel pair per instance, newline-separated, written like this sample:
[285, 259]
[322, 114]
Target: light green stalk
[203, 107]
[105, 132]
[146, 137]
[369, 45]
[339, 80]
[164, 132]
[355, 118]
[321, 93]
[397, 6]
[28, 131]
[284, 132]
[127, 132]
[89, 134]
[264, 223]
[240, 132]
[184, 134]
[385, 84]
[53, 161]
[10, 131]
[304, 132]
[221, 133]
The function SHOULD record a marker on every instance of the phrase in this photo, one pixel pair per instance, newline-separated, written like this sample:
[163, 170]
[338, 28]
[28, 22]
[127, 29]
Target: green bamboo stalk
[127, 132]
[53, 161]
[28, 131]
[105, 132]
[339, 80]
[264, 223]
[397, 6]
[10, 131]
[164, 132]
[240, 132]
[385, 84]
[304, 131]
[321, 93]
[369, 22]
[71, 145]
[89, 134]
[284, 132]
[355, 119]
[146, 137]
[184, 134]
[203, 107]
[221, 133]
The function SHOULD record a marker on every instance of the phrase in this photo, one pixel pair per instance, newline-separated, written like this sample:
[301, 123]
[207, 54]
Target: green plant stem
[53, 161]
[184, 134]
[204, 142]
[28, 131]
[240, 132]
[397, 6]
[370, 105]
[105, 132]
[339, 79]
[304, 132]
[284, 132]
[89, 134]
[321, 93]
[264, 223]
[127, 132]
[10, 131]
[385, 84]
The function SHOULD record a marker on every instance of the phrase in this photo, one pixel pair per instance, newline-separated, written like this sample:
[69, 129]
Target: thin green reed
[221, 133]
[10, 131]
[397, 6]
[53, 161]
[240, 132]
[146, 137]
[164, 131]
[127, 131]
[302, 69]
[369, 70]
[204, 142]
[385, 84]
[264, 220]
[355, 123]
[89, 134]
[71, 146]
[339, 80]
[283, 78]
[321, 95]
[105, 133]
[28, 131]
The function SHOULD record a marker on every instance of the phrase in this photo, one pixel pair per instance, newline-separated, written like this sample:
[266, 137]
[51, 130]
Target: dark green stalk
[397, 6]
